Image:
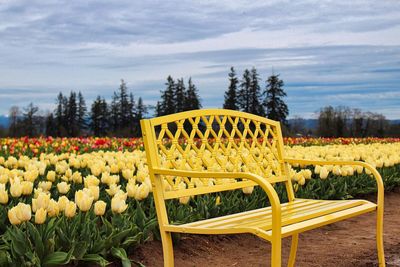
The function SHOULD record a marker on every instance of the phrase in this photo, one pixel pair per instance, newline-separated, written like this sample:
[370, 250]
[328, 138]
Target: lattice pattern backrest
[217, 140]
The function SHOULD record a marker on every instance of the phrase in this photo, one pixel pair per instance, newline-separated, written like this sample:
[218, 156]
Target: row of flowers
[35, 146]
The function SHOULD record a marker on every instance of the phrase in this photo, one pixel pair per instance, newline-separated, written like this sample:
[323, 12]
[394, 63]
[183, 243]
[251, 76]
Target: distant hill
[4, 121]
[312, 123]
[308, 123]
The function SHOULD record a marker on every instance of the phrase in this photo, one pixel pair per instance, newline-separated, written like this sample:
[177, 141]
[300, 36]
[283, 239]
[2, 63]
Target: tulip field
[89, 200]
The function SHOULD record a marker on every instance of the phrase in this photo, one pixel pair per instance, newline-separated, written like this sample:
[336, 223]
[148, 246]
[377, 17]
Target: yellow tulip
[68, 173]
[118, 204]
[307, 174]
[27, 188]
[141, 175]
[83, 200]
[100, 207]
[131, 188]
[184, 200]
[359, 169]
[218, 201]
[23, 212]
[113, 189]
[248, 190]
[77, 177]
[63, 187]
[53, 208]
[94, 191]
[70, 209]
[12, 216]
[91, 180]
[3, 194]
[323, 174]
[142, 191]
[114, 168]
[42, 201]
[127, 174]
[3, 178]
[317, 169]
[31, 175]
[16, 189]
[45, 185]
[62, 202]
[40, 216]
[302, 181]
[95, 170]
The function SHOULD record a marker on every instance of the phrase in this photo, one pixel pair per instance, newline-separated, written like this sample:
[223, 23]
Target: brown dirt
[346, 243]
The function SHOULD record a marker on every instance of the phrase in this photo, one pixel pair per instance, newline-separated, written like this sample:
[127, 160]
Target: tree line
[121, 116]
[71, 117]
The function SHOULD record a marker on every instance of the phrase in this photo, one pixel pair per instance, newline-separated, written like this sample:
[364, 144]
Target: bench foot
[293, 250]
[168, 250]
[379, 238]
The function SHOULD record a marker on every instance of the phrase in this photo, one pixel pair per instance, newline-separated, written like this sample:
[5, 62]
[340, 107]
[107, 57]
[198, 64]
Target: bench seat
[297, 216]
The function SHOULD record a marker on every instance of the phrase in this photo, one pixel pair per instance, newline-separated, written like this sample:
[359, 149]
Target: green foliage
[112, 237]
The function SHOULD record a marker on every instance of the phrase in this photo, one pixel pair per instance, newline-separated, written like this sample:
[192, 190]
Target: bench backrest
[213, 140]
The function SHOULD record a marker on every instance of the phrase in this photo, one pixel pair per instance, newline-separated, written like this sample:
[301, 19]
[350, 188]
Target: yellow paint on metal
[212, 150]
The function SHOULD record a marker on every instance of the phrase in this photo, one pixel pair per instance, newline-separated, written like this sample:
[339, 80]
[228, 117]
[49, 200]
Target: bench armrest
[265, 185]
[375, 173]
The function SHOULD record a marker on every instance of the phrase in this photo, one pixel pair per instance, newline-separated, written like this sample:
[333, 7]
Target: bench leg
[276, 253]
[168, 250]
[379, 238]
[293, 250]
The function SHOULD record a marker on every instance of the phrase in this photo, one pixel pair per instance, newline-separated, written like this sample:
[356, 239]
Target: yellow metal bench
[213, 150]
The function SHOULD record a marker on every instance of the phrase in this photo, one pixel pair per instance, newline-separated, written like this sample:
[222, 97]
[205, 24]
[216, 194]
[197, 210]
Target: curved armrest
[377, 176]
[265, 185]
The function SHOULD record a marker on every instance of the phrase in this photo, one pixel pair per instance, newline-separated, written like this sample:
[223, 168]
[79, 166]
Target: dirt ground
[346, 243]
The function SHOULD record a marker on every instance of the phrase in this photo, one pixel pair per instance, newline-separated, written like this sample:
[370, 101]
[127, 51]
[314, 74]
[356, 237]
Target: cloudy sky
[327, 52]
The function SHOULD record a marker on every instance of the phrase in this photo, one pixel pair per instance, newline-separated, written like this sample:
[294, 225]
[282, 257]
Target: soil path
[347, 243]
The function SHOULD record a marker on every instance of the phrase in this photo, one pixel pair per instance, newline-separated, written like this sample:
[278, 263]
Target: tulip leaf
[120, 253]
[57, 258]
[18, 241]
[5, 259]
[95, 258]
[80, 250]
[132, 240]
[38, 242]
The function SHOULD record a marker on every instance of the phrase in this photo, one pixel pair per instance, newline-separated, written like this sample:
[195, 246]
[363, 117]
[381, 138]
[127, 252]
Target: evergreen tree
[192, 99]
[72, 115]
[65, 109]
[132, 112]
[114, 113]
[158, 108]
[244, 99]
[275, 106]
[141, 110]
[125, 107]
[231, 94]
[60, 115]
[255, 106]
[167, 104]
[180, 95]
[30, 120]
[98, 114]
[82, 125]
[51, 125]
